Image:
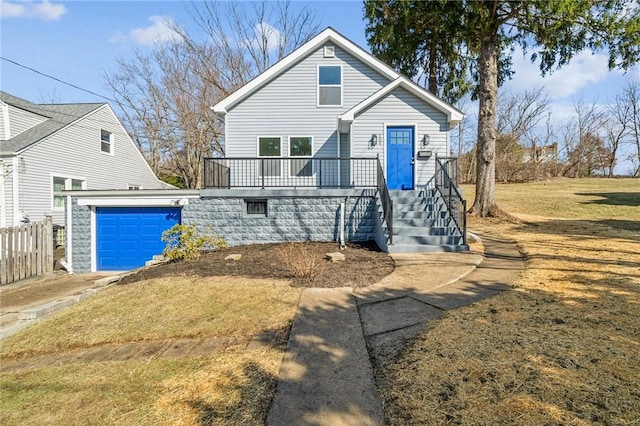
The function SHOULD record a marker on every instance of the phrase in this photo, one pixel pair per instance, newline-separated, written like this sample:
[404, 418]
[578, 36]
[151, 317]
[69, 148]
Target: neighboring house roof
[331, 35]
[57, 117]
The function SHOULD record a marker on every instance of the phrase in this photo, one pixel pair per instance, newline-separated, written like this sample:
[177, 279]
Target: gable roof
[57, 116]
[327, 35]
[454, 116]
[330, 35]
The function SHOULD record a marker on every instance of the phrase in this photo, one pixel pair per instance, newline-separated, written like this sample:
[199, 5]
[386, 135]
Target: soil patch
[364, 265]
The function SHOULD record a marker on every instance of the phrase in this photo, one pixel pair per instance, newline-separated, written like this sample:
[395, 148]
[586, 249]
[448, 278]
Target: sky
[79, 41]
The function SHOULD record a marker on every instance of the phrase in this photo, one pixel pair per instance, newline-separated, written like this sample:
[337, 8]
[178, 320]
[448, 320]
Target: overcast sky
[78, 41]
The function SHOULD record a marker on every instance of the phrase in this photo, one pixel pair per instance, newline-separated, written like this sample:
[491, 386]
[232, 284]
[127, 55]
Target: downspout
[3, 203]
[338, 143]
[342, 215]
[68, 232]
[16, 192]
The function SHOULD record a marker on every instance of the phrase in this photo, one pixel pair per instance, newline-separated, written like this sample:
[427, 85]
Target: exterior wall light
[374, 140]
[425, 140]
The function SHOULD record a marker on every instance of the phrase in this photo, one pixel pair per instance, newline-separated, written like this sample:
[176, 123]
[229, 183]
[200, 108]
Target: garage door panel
[129, 236]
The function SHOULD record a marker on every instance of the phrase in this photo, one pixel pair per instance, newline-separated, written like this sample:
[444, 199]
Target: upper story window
[329, 85]
[106, 141]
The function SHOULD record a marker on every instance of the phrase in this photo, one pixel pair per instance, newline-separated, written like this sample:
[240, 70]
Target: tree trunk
[485, 202]
[433, 68]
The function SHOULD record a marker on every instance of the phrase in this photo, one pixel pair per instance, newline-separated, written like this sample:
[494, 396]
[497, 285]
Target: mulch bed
[364, 265]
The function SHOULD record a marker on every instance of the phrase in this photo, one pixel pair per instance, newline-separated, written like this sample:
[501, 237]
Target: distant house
[541, 154]
[49, 148]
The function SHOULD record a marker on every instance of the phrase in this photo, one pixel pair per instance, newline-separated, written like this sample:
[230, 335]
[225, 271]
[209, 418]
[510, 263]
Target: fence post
[48, 244]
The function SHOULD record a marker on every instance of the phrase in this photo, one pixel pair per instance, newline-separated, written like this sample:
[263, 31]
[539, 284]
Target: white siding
[401, 108]
[74, 152]
[288, 106]
[6, 180]
[4, 121]
[22, 120]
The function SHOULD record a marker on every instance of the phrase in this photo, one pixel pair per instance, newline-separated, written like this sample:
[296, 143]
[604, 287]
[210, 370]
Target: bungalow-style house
[48, 148]
[329, 144]
[327, 116]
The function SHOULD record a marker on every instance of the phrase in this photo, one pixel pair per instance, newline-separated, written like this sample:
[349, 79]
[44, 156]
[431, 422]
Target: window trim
[318, 85]
[68, 182]
[102, 141]
[291, 156]
[268, 156]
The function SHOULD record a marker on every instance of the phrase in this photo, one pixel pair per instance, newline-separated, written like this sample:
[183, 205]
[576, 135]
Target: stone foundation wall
[288, 218]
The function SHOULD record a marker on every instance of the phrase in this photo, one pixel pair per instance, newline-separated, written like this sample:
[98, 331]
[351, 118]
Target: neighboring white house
[48, 148]
[329, 99]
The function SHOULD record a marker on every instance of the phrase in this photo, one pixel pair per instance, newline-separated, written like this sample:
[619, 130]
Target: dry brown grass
[224, 389]
[164, 308]
[562, 348]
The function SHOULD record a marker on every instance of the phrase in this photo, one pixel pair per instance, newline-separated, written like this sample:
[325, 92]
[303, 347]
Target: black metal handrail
[290, 172]
[448, 189]
[385, 199]
[451, 166]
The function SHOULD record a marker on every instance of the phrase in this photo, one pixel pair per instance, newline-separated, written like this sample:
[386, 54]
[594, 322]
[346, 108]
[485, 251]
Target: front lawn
[564, 346]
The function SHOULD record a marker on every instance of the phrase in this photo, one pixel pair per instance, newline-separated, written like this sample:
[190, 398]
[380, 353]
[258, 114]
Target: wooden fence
[26, 251]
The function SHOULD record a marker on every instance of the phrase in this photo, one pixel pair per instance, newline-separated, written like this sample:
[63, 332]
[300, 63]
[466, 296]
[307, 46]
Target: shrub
[183, 242]
[300, 261]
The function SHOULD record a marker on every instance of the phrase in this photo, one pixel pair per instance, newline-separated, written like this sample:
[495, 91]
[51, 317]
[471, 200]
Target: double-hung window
[329, 85]
[60, 184]
[269, 147]
[106, 142]
[301, 148]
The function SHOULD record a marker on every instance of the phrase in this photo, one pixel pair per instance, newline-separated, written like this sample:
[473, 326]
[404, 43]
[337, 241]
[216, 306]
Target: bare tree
[581, 138]
[616, 128]
[164, 95]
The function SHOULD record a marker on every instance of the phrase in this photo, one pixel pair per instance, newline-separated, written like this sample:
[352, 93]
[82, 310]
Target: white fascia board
[328, 35]
[132, 202]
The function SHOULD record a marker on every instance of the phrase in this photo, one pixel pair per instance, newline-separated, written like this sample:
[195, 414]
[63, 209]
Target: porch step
[427, 239]
[424, 230]
[420, 215]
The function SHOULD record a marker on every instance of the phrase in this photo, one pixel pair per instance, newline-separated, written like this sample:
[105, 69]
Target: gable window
[61, 184]
[329, 85]
[269, 147]
[106, 141]
[300, 147]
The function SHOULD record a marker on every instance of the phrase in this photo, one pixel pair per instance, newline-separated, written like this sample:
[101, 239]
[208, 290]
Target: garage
[126, 237]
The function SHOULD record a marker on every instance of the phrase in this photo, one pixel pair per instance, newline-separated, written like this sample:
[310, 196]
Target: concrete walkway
[327, 374]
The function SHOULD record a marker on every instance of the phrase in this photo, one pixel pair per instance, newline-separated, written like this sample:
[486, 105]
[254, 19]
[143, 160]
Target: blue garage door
[126, 237]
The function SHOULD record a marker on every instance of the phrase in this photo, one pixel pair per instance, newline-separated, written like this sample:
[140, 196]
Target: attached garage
[126, 237]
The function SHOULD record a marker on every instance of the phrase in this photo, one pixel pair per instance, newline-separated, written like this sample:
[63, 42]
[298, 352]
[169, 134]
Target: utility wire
[57, 79]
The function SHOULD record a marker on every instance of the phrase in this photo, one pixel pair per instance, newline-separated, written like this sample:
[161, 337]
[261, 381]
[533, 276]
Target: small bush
[184, 243]
[300, 261]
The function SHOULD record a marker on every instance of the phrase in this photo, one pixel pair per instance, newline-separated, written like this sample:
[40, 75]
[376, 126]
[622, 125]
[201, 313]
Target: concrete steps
[422, 224]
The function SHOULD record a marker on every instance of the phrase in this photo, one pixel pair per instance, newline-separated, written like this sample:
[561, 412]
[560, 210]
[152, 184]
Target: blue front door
[400, 157]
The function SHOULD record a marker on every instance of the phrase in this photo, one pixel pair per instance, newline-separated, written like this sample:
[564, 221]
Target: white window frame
[111, 138]
[318, 85]
[313, 172]
[259, 172]
[68, 181]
